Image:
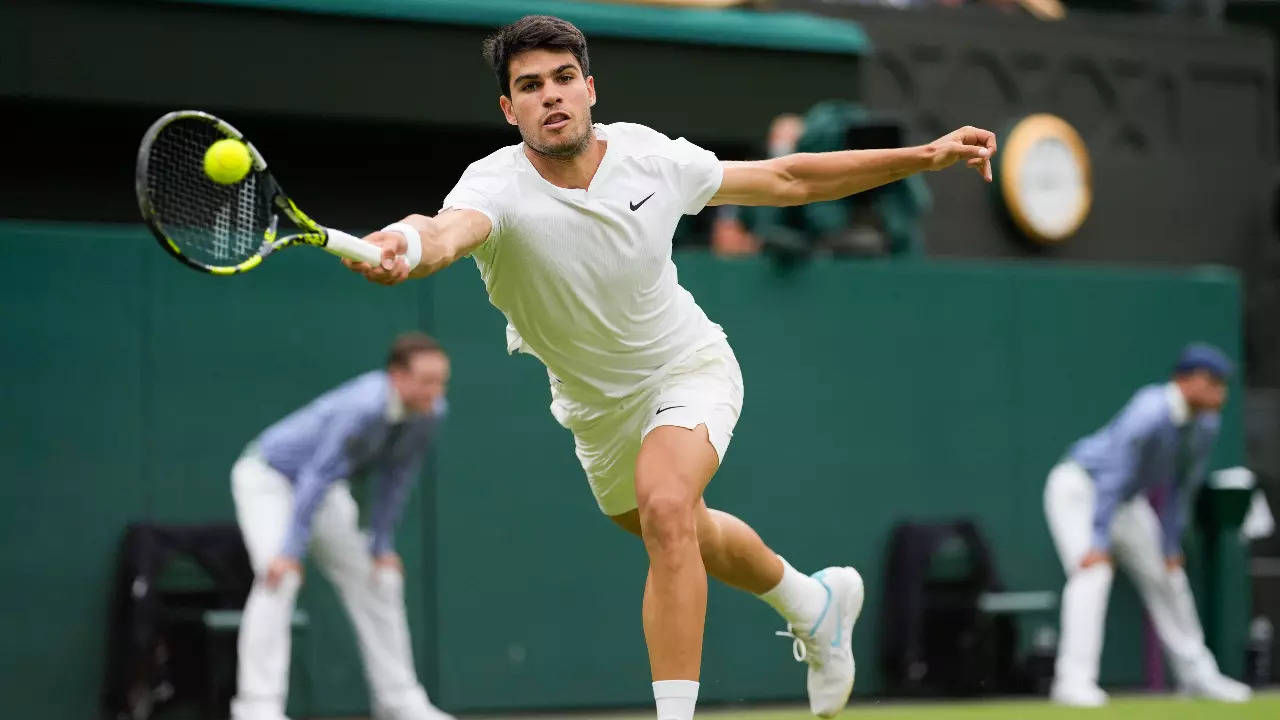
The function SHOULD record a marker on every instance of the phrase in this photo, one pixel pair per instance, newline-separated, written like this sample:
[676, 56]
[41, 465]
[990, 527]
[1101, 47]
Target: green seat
[229, 620]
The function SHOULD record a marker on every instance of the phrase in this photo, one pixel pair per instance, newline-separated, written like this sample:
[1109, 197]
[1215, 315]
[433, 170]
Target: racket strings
[215, 225]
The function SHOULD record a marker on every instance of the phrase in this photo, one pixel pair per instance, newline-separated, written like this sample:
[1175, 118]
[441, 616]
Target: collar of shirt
[610, 150]
[1179, 411]
[395, 406]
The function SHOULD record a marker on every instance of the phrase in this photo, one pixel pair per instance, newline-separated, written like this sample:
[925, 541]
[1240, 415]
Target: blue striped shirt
[1155, 441]
[355, 429]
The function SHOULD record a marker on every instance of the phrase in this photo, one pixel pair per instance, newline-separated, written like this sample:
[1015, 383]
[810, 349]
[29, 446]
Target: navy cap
[1202, 356]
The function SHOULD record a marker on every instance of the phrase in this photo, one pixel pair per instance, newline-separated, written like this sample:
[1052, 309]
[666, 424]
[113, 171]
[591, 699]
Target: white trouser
[374, 601]
[1135, 546]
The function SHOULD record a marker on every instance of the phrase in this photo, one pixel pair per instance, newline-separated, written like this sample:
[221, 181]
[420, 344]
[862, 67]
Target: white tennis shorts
[703, 389]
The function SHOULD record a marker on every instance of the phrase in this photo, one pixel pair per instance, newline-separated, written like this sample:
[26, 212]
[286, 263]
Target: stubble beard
[567, 151]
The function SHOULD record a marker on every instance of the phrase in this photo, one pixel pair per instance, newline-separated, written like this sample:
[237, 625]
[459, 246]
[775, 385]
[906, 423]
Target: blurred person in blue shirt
[292, 495]
[1098, 511]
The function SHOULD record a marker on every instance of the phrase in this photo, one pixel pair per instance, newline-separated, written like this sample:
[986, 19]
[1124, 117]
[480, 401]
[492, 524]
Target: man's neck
[1192, 410]
[396, 410]
[573, 172]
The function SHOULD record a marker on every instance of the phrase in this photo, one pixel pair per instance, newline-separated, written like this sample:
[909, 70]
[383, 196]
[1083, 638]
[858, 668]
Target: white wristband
[413, 242]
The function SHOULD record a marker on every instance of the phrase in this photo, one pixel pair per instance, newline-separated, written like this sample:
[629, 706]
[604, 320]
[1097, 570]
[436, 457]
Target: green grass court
[1265, 706]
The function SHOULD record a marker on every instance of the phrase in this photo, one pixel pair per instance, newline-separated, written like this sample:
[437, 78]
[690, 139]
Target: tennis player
[571, 230]
[291, 494]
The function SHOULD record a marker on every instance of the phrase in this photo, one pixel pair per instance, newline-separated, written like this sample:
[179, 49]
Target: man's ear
[508, 110]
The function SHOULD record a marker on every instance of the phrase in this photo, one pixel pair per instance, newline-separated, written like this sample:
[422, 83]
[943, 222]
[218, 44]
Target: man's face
[1205, 391]
[422, 382]
[550, 101]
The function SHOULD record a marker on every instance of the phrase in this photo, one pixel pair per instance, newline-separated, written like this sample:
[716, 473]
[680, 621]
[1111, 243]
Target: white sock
[675, 699]
[798, 598]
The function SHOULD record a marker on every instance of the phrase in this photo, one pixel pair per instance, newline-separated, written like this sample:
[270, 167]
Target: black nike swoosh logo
[636, 206]
[669, 407]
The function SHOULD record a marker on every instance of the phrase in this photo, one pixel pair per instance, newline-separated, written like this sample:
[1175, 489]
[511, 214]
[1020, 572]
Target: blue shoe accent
[826, 606]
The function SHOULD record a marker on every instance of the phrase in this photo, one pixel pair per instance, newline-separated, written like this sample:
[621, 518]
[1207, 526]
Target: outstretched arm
[803, 178]
[445, 238]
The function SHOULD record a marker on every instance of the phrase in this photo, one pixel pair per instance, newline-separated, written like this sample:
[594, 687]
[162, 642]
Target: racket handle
[352, 247]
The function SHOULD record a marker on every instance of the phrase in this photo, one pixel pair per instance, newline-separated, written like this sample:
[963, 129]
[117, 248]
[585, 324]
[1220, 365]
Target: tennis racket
[215, 228]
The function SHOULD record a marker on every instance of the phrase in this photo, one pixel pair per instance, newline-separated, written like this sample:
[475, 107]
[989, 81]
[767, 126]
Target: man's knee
[671, 471]
[667, 520]
[708, 533]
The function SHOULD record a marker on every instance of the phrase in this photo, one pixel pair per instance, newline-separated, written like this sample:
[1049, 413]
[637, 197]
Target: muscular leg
[685, 540]
[728, 549]
[672, 469]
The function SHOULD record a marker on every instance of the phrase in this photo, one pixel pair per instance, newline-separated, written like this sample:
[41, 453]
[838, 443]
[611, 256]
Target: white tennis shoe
[828, 646]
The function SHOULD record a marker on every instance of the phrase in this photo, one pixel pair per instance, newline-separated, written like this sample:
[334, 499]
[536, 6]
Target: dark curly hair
[533, 32]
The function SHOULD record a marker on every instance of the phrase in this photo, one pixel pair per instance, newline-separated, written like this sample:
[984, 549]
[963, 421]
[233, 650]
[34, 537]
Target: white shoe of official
[428, 713]
[828, 646]
[412, 705]
[1080, 694]
[251, 710]
[1219, 687]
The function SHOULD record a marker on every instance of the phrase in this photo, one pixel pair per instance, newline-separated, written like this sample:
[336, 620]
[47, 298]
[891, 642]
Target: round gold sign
[1045, 178]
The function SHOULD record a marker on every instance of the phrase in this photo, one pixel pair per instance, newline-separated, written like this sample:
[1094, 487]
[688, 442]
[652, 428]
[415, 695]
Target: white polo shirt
[585, 277]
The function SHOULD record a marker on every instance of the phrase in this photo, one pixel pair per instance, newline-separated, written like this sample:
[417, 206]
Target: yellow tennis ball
[227, 161]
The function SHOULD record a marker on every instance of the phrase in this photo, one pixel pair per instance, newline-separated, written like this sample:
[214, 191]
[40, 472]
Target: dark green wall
[875, 392]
